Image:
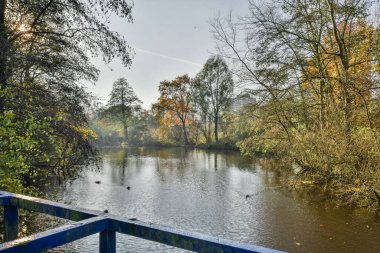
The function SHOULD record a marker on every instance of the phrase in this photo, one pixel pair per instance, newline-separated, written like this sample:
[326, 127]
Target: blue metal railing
[89, 222]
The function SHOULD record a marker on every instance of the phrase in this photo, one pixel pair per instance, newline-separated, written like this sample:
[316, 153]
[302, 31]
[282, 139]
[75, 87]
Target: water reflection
[215, 193]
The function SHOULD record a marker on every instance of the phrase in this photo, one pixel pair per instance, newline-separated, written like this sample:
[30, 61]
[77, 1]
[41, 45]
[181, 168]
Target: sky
[169, 37]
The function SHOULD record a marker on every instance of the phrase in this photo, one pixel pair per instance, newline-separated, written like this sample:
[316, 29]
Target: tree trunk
[322, 117]
[3, 53]
[216, 128]
[209, 131]
[125, 126]
[206, 129]
[186, 141]
[339, 39]
[347, 107]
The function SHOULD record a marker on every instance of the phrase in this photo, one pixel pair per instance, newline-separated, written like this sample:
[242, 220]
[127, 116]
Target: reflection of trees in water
[118, 164]
[277, 170]
[227, 158]
[123, 164]
[180, 163]
[166, 153]
[172, 163]
[179, 158]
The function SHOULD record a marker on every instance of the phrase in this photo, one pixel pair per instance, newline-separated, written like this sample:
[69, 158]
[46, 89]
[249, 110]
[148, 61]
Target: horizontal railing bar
[56, 237]
[4, 199]
[182, 239]
[50, 207]
[92, 222]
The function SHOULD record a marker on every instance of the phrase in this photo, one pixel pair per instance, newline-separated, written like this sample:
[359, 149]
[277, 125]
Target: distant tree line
[189, 111]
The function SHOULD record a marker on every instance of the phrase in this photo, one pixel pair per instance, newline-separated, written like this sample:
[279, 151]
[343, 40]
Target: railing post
[10, 223]
[107, 241]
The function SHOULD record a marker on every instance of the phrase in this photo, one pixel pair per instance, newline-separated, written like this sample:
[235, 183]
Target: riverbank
[205, 146]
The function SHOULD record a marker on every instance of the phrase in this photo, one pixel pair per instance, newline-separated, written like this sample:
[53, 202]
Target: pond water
[205, 192]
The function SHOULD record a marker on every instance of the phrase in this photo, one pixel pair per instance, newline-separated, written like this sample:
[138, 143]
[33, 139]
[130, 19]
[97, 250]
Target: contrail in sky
[167, 57]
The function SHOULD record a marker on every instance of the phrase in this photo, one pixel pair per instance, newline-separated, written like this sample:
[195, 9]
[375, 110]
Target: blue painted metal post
[107, 241]
[10, 223]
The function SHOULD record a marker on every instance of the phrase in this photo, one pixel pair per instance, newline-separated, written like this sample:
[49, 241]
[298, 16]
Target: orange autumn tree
[350, 79]
[313, 69]
[174, 104]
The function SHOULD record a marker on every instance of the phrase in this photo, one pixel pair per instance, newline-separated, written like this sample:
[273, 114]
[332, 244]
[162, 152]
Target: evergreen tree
[123, 103]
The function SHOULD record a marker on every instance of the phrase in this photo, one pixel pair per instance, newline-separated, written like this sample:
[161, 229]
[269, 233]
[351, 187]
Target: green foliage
[123, 103]
[256, 132]
[140, 132]
[39, 143]
[213, 90]
[122, 94]
[110, 132]
[19, 143]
